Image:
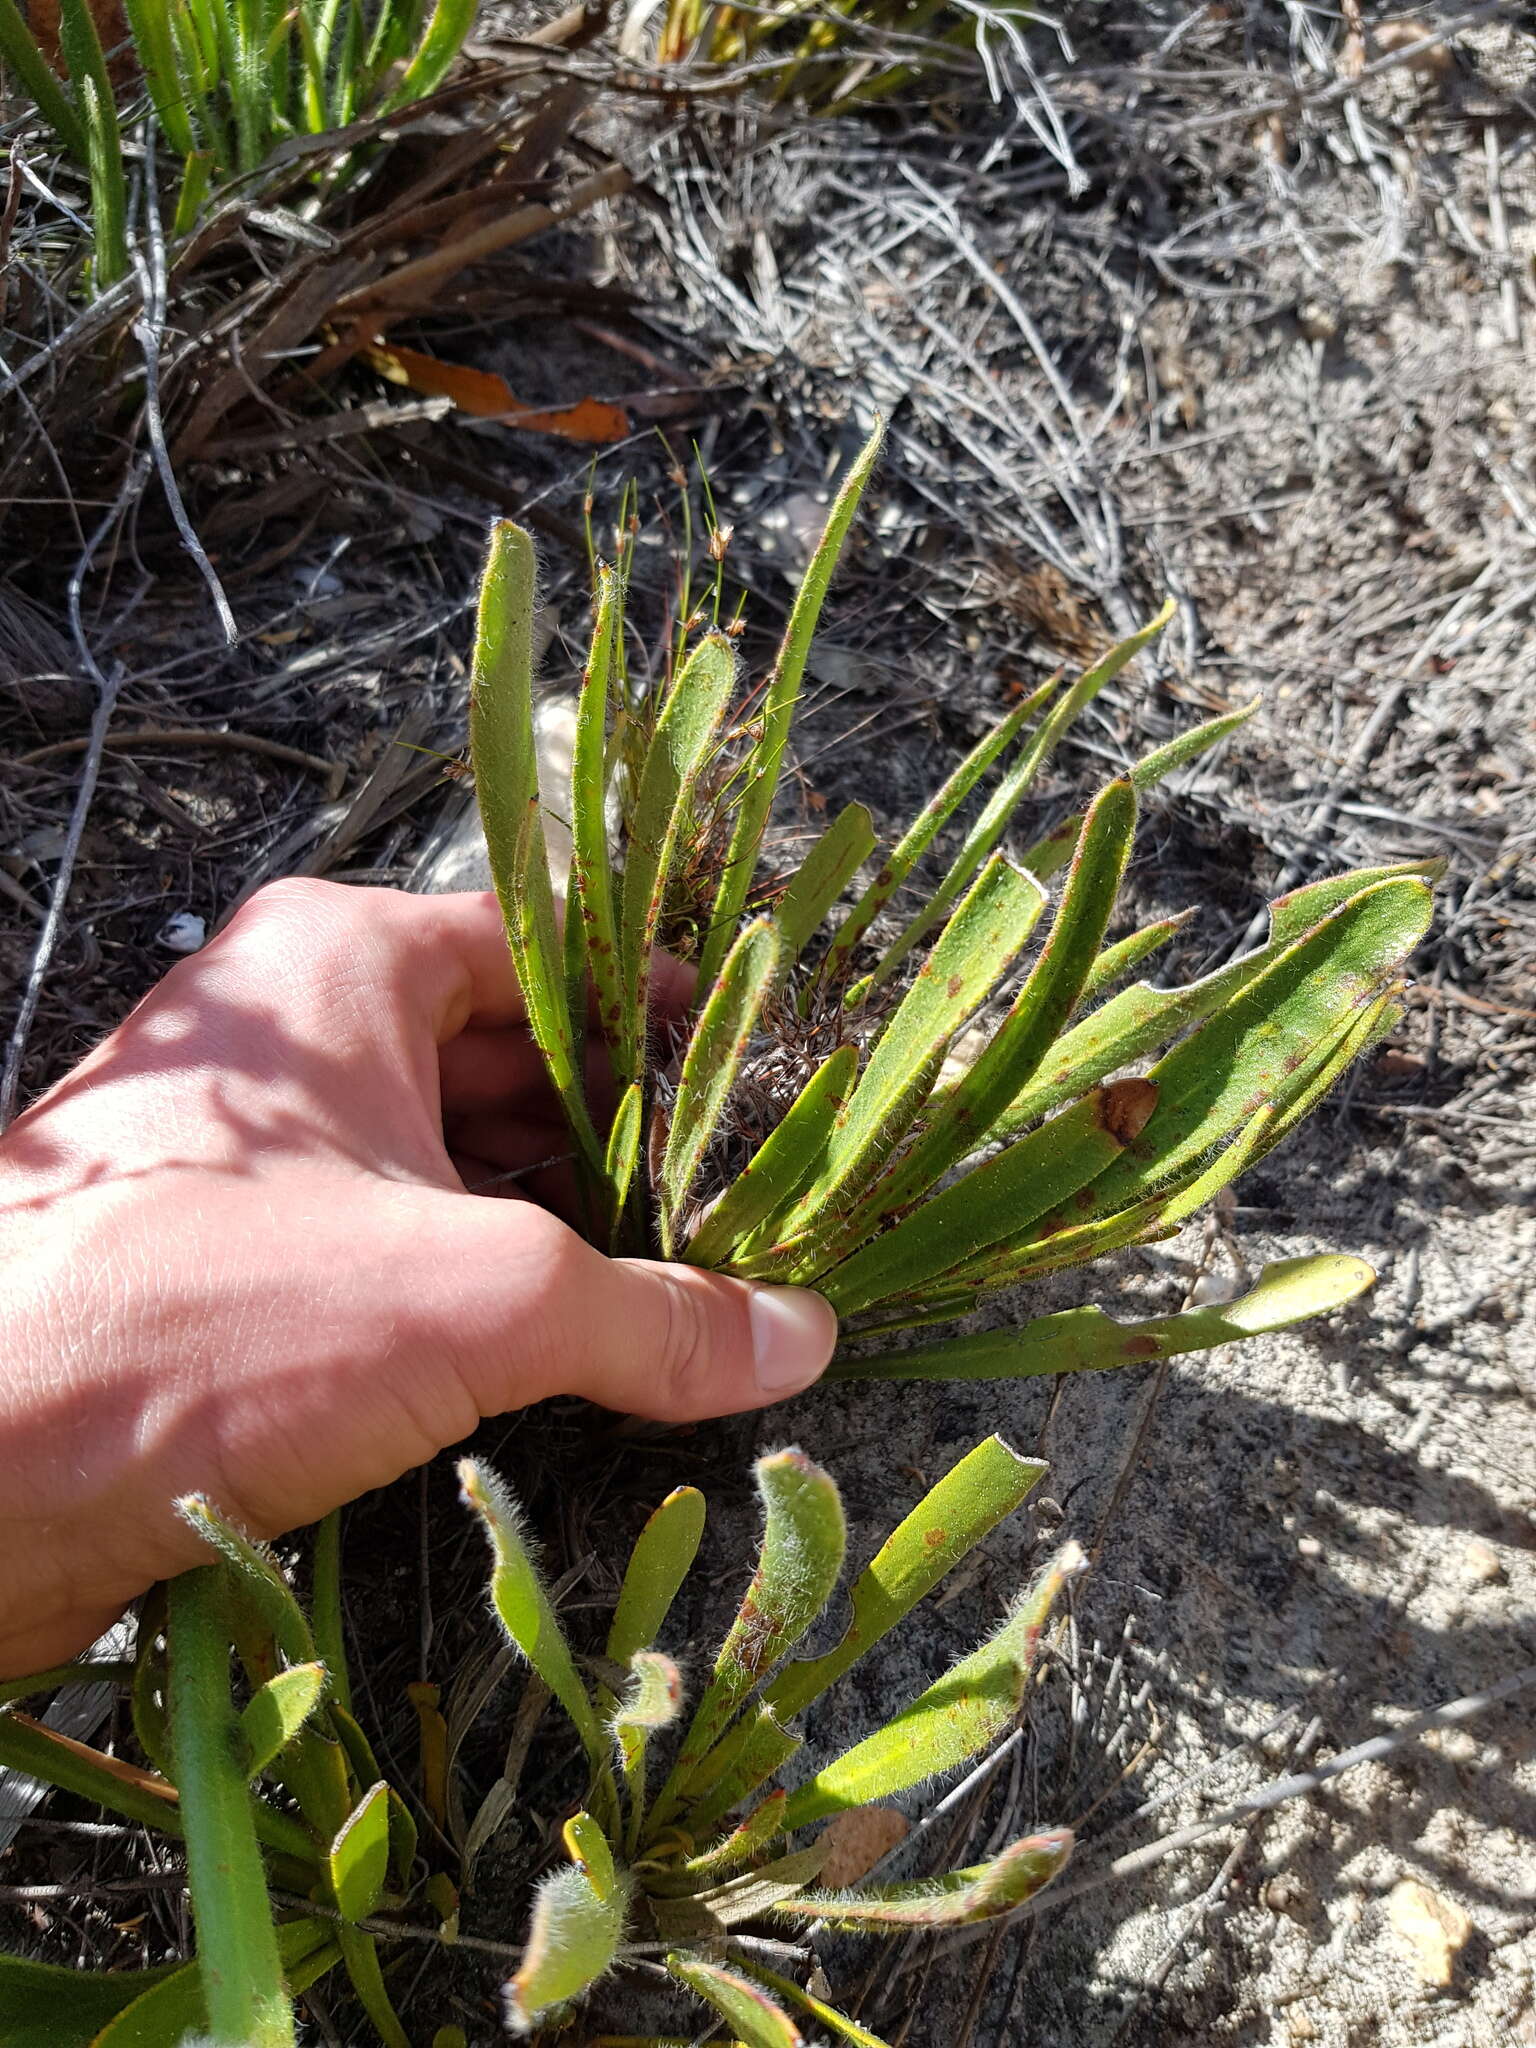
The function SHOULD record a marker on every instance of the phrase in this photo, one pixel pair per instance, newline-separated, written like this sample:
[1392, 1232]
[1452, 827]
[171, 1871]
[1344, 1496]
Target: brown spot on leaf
[1141, 1347]
[934, 1537]
[1124, 1107]
[956, 983]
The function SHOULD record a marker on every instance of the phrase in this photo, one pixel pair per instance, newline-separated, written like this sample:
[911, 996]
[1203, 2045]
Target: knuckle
[686, 1349]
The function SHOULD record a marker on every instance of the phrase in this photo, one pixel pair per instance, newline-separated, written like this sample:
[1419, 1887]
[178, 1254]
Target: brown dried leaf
[855, 1841]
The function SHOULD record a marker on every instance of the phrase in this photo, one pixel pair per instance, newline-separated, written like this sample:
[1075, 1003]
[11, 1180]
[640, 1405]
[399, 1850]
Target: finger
[528, 1309]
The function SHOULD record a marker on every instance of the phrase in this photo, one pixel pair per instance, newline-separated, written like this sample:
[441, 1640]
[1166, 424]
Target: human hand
[237, 1254]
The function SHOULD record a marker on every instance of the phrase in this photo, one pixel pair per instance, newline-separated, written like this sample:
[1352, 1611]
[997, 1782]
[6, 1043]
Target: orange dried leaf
[488, 396]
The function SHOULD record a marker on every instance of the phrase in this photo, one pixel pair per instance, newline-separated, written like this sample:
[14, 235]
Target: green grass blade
[685, 736]
[1238, 1060]
[523, 1605]
[507, 791]
[924, 829]
[804, 1536]
[753, 968]
[950, 1520]
[1142, 1018]
[572, 1942]
[1049, 854]
[780, 1167]
[441, 41]
[1033, 1024]
[237, 1951]
[983, 938]
[972, 1704]
[994, 1202]
[155, 47]
[80, 47]
[744, 2006]
[663, 1554]
[592, 917]
[824, 874]
[989, 828]
[1087, 1340]
[35, 75]
[960, 1898]
[778, 710]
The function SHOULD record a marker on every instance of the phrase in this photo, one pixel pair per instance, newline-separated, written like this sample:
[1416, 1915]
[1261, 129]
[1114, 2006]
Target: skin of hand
[239, 1254]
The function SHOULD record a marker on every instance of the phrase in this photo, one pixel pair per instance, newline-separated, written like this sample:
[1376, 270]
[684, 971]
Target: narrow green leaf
[829, 2016]
[587, 1847]
[35, 75]
[441, 40]
[744, 2006]
[1050, 853]
[47, 2006]
[1129, 952]
[947, 1523]
[622, 1155]
[975, 949]
[794, 1150]
[172, 2009]
[83, 1673]
[993, 1203]
[653, 1700]
[155, 48]
[593, 918]
[972, 1704]
[685, 736]
[753, 968]
[762, 772]
[804, 1536]
[522, 1604]
[989, 828]
[1239, 1059]
[1034, 1023]
[573, 1939]
[924, 829]
[257, 1582]
[1142, 1018]
[360, 1954]
[754, 1751]
[357, 1861]
[507, 791]
[762, 1825]
[1087, 1340]
[658, 1564]
[81, 49]
[274, 1715]
[710, 1915]
[237, 1952]
[824, 874]
[960, 1898]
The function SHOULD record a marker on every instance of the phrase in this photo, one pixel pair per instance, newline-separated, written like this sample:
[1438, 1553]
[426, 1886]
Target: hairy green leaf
[658, 1564]
[622, 1155]
[357, 1861]
[719, 1043]
[522, 1604]
[501, 740]
[960, 1898]
[1087, 1340]
[172, 2009]
[277, 1711]
[572, 1942]
[824, 874]
[744, 2006]
[47, 2006]
[686, 734]
[804, 1536]
[950, 1520]
[972, 1704]
[761, 779]
[754, 1751]
[836, 2022]
[591, 916]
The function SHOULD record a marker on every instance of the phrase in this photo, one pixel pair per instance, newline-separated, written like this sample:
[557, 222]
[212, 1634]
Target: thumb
[674, 1343]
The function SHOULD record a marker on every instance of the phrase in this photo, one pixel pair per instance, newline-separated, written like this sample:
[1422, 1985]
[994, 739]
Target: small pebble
[1481, 1564]
[1286, 1893]
[183, 933]
[1433, 1929]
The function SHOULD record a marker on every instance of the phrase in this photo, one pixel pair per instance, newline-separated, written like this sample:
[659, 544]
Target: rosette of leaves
[685, 1841]
[265, 1779]
[813, 1127]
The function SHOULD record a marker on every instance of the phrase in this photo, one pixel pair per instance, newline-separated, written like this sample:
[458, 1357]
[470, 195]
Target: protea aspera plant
[813, 1128]
[684, 1867]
